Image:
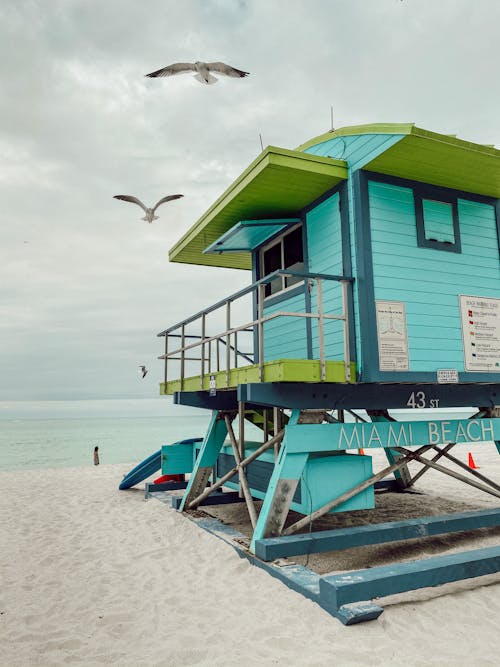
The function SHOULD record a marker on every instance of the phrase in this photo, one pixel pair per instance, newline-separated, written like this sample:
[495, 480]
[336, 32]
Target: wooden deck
[280, 370]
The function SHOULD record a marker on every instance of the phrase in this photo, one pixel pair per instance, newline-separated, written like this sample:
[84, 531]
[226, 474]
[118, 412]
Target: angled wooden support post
[206, 459]
[339, 593]
[241, 474]
[402, 474]
[282, 485]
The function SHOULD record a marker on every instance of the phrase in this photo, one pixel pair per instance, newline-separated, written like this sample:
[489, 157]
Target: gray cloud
[82, 301]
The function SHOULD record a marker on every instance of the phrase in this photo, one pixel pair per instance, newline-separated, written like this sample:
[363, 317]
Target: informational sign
[481, 333]
[447, 375]
[212, 389]
[392, 336]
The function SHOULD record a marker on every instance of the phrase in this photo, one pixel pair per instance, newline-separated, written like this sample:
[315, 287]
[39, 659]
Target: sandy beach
[94, 576]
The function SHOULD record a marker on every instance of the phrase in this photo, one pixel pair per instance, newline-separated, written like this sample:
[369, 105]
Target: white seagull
[202, 71]
[150, 212]
[144, 371]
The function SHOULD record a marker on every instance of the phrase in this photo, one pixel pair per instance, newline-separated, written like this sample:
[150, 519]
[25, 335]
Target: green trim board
[278, 183]
[429, 157]
[247, 235]
[279, 370]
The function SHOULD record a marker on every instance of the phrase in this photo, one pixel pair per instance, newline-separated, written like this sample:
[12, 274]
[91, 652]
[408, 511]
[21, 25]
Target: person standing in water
[96, 456]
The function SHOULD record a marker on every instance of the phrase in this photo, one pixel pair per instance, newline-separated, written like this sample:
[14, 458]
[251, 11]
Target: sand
[94, 576]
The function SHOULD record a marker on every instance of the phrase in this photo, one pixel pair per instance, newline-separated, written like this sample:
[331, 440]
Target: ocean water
[50, 434]
[67, 442]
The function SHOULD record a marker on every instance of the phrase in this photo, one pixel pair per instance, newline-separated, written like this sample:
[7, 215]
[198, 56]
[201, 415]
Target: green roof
[429, 157]
[279, 183]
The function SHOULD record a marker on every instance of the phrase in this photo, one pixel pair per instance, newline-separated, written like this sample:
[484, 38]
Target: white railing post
[203, 349]
[183, 333]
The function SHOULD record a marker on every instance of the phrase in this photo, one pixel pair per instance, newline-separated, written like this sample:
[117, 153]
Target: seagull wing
[176, 68]
[164, 199]
[132, 200]
[222, 68]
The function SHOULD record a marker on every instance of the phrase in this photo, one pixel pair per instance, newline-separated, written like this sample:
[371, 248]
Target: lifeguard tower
[375, 285]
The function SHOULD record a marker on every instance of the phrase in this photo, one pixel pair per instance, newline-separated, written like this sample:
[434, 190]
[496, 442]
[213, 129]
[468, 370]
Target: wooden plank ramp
[341, 594]
[270, 548]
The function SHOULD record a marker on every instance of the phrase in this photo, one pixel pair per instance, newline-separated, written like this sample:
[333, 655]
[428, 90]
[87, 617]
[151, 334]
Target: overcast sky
[85, 285]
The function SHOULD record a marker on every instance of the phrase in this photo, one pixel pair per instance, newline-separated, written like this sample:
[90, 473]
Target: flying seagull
[144, 371]
[150, 212]
[202, 71]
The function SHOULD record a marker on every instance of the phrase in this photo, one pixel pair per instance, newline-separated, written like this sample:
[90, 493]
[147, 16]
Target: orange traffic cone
[472, 463]
[361, 451]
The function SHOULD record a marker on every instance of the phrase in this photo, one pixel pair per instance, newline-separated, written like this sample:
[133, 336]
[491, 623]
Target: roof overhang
[279, 183]
[430, 157]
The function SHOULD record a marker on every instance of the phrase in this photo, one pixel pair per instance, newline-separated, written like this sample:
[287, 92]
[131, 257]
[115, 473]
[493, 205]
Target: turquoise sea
[49, 434]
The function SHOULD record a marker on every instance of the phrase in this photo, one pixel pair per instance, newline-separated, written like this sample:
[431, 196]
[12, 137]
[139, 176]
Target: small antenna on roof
[332, 129]
[261, 144]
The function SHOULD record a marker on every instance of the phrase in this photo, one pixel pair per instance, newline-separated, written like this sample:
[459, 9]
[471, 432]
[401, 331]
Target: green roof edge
[399, 128]
[262, 160]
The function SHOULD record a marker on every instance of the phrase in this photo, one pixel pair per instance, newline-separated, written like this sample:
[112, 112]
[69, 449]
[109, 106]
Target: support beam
[222, 480]
[242, 476]
[341, 589]
[450, 473]
[205, 460]
[376, 396]
[403, 475]
[424, 469]
[346, 538]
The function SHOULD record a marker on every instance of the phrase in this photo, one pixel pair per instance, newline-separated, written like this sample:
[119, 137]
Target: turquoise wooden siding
[356, 150]
[286, 337]
[324, 242]
[429, 280]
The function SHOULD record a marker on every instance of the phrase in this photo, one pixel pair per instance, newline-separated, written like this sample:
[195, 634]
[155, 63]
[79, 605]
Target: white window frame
[271, 244]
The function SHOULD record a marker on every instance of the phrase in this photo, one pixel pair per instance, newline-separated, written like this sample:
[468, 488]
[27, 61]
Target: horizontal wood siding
[286, 337]
[429, 280]
[356, 150]
[324, 242]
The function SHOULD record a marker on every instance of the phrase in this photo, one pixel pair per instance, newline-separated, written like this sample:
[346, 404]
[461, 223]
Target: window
[284, 253]
[437, 223]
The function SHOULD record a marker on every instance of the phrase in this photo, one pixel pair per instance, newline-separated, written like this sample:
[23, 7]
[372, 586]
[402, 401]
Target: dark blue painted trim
[370, 396]
[434, 191]
[422, 242]
[366, 293]
[324, 197]
[163, 486]
[347, 264]
[216, 498]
